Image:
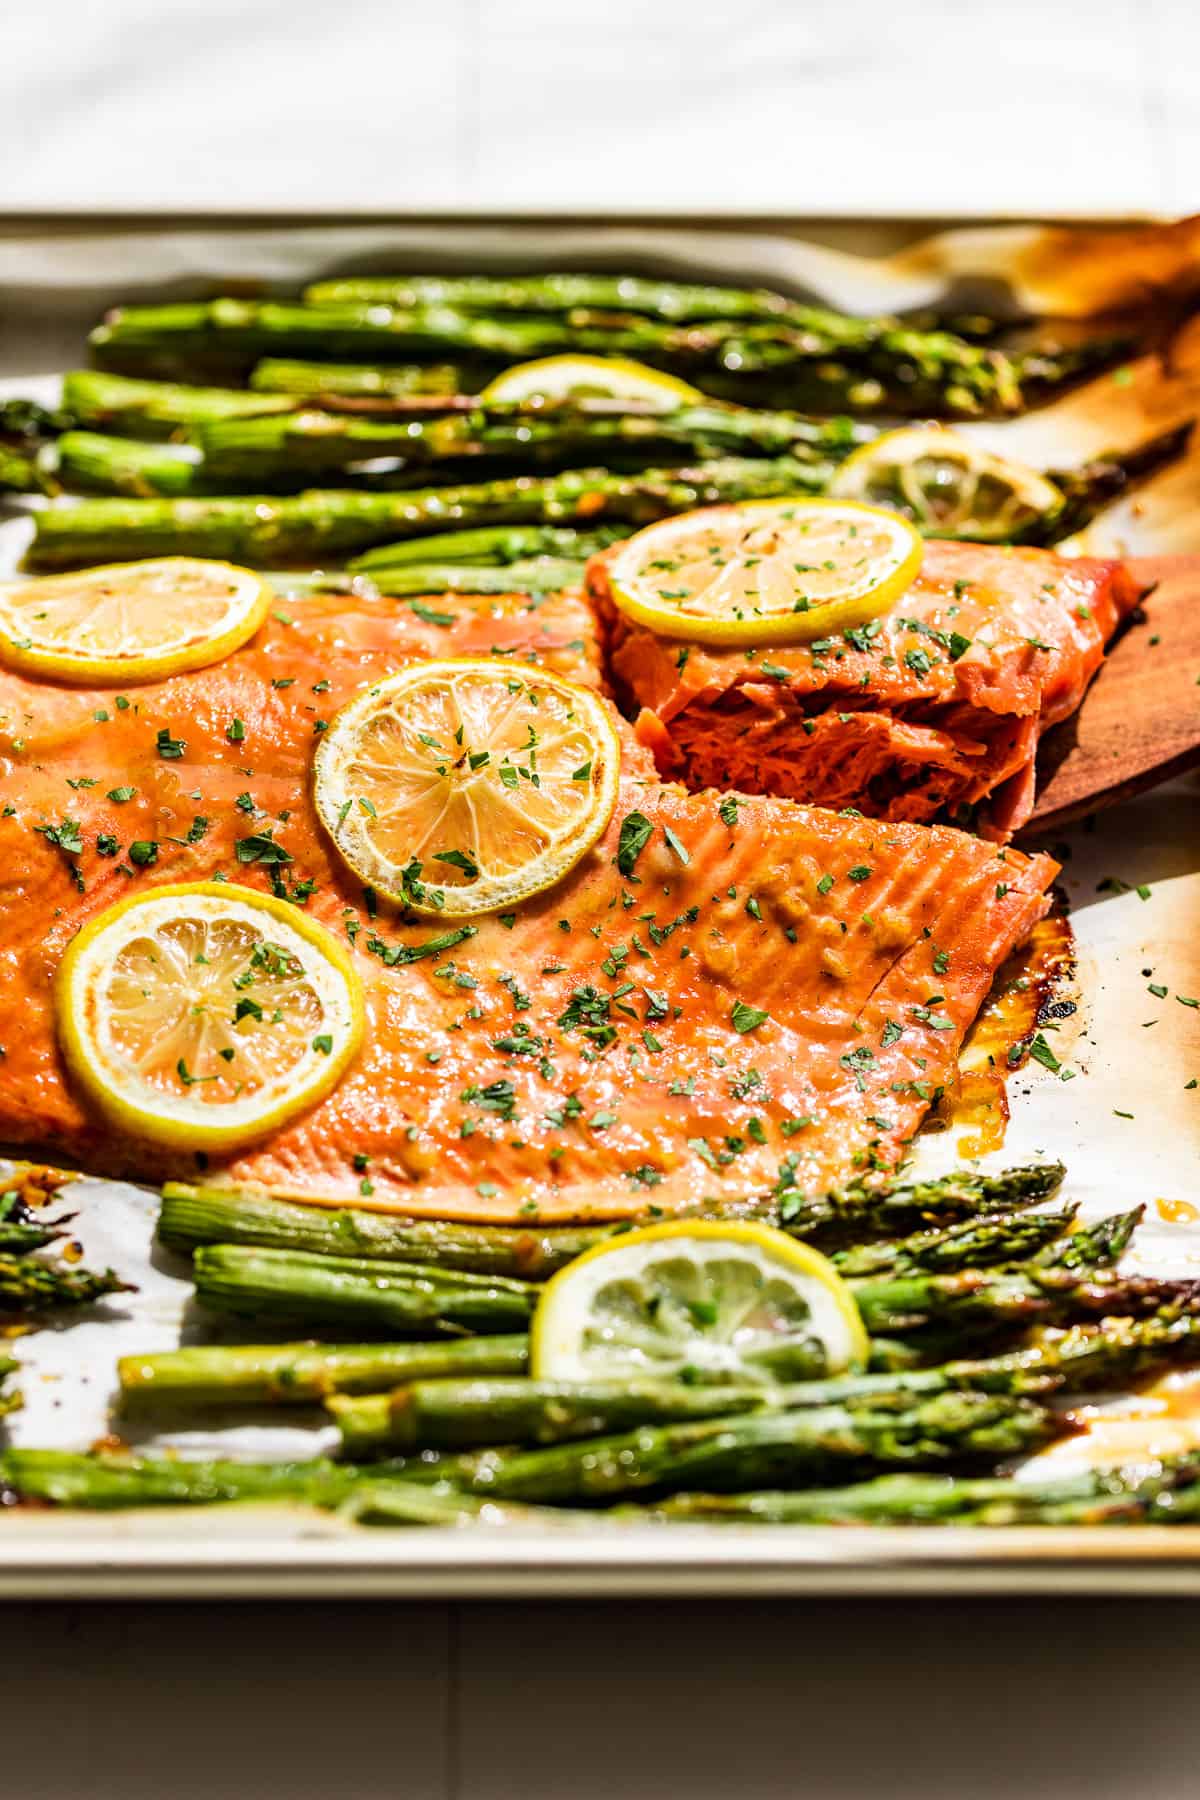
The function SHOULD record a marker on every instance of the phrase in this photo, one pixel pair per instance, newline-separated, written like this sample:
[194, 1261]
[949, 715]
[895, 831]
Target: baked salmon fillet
[935, 707]
[775, 994]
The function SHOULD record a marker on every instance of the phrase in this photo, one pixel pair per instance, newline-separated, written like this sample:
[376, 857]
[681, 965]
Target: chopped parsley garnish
[636, 831]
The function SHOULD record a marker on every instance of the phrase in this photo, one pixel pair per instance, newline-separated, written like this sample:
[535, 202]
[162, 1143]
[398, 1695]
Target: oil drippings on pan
[1030, 992]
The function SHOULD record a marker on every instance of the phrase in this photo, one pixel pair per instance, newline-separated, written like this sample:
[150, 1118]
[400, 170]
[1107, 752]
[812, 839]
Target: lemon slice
[462, 786]
[948, 486]
[735, 1302]
[591, 378]
[204, 1015]
[765, 571]
[130, 622]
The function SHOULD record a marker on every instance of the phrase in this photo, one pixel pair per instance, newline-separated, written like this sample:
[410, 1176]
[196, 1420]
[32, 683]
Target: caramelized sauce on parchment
[1031, 992]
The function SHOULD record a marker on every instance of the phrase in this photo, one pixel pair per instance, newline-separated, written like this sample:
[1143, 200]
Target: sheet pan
[1128, 1126]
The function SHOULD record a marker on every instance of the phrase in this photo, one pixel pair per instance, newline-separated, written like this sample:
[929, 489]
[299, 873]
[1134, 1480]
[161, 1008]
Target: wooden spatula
[1140, 720]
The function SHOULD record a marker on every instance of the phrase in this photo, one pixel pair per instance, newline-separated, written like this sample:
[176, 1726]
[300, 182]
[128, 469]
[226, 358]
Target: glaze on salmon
[772, 993]
[937, 707]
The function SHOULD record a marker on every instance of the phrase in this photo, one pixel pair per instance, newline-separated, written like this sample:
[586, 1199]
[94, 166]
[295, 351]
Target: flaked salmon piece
[773, 993]
[936, 707]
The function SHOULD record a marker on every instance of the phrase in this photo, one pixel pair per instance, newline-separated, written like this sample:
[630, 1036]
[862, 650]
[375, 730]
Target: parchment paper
[1127, 1124]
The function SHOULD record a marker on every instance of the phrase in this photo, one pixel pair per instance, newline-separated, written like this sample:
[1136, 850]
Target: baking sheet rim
[64, 1556]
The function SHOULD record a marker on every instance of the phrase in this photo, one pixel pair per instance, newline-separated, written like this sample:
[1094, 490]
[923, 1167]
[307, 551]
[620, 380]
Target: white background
[824, 105]
[919, 106]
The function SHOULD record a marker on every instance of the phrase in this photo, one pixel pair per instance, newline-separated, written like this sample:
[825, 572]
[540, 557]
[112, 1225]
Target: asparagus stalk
[1114, 1353]
[1088, 489]
[325, 1291]
[860, 1211]
[757, 1448]
[18, 1239]
[464, 1413]
[822, 362]
[321, 380]
[972, 1243]
[193, 1216]
[673, 301]
[681, 302]
[19, 474]
[1097, 1246]
[30, 1286]
[324, 524]
[1164, 1493]
[296, 1374]
[496, 545]
[990, 1300]
[467, 1414]
[10, 1400]
[88, 462]
[398, 1502]
[106, 1481]
[100, 401]
[284, 452]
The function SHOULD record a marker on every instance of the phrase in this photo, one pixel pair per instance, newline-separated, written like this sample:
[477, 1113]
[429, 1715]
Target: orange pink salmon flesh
[774, 996]
[936, 706]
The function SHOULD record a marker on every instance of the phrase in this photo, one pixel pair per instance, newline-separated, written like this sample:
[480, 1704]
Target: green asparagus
[680, 302]
[18, 1238]
[823, 362]
[99, 401]
[1088, 489]
[296, 1374]
[20, 474]
[467, 1414]
[192, 1216]
[30, 1286]
[971, 1243]
[1096, 1246]
[111, 1480]
[322, 380]
[323, 1291]
[284, 453]
[10, 1398]
[886, 1208]
[90, 463]
[399, 1502]
[496, 545]
[325, 524]
[750, 1449]
[992, 1300]
[1161, 1493]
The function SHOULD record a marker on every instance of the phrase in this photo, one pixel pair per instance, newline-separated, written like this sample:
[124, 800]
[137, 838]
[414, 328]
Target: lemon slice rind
[765, 571]
[397, 838]
[130, 622]
[649, 1334]
[104, 1071]
[887, 472]
[604, 377]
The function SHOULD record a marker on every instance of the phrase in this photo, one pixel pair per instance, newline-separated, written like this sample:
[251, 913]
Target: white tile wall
[825, 105]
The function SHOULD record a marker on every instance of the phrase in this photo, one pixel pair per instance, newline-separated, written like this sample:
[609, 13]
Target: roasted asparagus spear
[1161, 1493]
[296, 1374]
[324, 1291]
[325, 524]
[757, 1448]
[822, 362]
